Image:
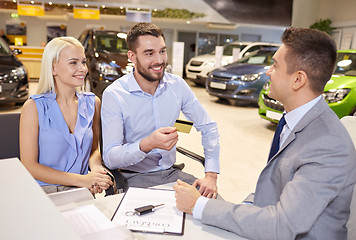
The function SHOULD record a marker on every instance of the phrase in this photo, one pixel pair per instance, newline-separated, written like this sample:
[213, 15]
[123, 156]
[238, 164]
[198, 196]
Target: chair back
[350, 124]
[9, 131]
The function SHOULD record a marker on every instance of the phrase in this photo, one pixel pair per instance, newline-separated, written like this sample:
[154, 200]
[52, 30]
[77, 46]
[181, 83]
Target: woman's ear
[54, 73]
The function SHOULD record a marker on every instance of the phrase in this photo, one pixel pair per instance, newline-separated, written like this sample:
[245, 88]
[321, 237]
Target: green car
[339, 92]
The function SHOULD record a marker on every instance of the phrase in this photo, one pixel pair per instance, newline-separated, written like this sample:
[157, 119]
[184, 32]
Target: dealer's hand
[186, 196]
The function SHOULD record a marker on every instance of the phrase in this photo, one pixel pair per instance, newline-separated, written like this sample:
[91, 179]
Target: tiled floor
[244, 138]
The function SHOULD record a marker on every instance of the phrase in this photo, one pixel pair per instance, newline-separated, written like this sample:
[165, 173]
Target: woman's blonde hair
[50, 56]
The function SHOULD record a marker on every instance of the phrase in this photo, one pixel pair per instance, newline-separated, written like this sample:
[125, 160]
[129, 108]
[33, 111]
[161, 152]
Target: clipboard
[166, 220]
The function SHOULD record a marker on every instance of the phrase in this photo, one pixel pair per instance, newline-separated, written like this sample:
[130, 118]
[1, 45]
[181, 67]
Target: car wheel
[87, 86]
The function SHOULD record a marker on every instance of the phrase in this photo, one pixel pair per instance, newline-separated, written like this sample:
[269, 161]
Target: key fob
[144, 210]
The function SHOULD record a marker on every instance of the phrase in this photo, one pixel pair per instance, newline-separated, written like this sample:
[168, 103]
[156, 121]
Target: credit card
[183, 125]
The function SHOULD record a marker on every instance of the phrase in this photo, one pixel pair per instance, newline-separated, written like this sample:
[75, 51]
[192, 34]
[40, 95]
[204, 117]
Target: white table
[193, 229]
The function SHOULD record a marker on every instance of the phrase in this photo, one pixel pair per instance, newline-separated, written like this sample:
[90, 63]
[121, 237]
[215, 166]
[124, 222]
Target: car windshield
[4, 48]
[259, 57]
[228, 49]
[106, 42]
[346, 64]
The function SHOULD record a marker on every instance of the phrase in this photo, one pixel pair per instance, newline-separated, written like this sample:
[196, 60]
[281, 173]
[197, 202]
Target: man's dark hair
[312, 51]
[141, 29]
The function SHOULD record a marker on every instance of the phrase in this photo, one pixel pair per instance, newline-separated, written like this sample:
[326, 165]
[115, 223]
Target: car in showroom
[242, 80]
[198, 67]
[106, 53]
[339, 92]
[13, 76]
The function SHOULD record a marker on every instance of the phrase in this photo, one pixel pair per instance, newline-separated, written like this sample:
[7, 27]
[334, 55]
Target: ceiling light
[32, 2]
[50, 3]
[103, 6]
[68, 4]
[86, 5]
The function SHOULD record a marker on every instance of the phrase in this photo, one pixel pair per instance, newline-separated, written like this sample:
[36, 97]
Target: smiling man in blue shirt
[138, 114]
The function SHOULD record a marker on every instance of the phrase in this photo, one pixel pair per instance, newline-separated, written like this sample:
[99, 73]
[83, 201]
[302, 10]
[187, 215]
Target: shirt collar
[134, 87]
[293, 117]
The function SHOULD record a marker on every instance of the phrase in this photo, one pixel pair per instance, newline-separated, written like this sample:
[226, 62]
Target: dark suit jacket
[304, 192]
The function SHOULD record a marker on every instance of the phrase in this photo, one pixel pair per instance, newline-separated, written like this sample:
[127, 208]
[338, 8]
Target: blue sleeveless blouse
[57, 147]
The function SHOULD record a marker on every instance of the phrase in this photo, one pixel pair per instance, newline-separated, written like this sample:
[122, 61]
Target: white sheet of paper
[87, 219]
[167, 219]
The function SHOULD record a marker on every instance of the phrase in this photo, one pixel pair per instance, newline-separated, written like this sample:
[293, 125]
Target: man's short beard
[149, 78]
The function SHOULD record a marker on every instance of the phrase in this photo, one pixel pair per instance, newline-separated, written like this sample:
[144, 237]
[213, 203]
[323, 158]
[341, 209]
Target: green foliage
[323, 25]
[176, 14]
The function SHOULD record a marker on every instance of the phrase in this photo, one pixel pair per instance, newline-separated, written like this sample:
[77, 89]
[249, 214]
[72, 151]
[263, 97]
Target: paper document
[166, 219]
[87, 220]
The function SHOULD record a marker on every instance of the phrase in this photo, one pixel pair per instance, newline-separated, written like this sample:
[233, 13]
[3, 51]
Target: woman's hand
[97, 180]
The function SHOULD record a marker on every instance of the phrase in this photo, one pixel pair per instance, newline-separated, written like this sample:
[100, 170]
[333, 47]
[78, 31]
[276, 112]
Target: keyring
[130, 213]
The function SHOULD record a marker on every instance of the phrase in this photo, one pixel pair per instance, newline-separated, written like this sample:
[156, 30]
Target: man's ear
[300, 80]
[132, 56]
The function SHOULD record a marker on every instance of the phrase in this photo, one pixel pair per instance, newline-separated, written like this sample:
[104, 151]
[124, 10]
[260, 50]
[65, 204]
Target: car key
[147, 209]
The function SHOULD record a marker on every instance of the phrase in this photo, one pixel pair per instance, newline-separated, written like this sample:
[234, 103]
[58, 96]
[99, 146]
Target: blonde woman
[59, 126]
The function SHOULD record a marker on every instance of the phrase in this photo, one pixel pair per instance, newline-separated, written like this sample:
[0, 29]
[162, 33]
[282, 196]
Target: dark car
[106, 53]
[13, 76]
[242, 80]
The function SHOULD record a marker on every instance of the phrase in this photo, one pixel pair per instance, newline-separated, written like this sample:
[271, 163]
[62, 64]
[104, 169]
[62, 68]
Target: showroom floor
[245, 139]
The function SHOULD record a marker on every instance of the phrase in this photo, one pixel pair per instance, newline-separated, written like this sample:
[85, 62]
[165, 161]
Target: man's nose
[159, 58]
[268, 72]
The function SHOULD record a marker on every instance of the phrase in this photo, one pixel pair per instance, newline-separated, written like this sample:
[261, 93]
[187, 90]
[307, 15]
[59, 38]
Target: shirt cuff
[199, 207]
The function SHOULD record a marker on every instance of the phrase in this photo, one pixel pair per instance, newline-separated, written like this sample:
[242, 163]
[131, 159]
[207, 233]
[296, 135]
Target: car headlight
[335, 95]
[250, 77]
[106, 69]
[18, 73]
[210, 64]
[266, 85]
[224, 62]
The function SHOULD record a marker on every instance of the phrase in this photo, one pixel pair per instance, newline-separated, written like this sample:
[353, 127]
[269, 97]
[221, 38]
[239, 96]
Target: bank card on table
[183, 125]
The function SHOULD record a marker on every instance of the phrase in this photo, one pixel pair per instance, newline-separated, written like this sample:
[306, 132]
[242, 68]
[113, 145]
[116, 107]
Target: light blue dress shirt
[292, 119]
[128, 115]
[58, 148]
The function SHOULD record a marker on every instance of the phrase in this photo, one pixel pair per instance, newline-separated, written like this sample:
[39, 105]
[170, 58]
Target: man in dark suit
[305, 190]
